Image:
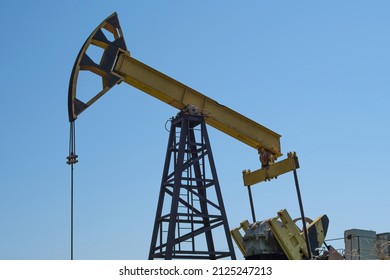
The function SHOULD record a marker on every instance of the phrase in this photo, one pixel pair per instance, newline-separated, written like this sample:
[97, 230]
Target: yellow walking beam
[178, 95]
[116, 65]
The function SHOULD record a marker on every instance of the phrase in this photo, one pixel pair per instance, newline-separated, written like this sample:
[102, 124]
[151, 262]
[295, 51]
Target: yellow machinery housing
[279, 238]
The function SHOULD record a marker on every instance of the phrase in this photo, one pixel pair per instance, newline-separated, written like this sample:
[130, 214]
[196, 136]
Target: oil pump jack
[190, 207]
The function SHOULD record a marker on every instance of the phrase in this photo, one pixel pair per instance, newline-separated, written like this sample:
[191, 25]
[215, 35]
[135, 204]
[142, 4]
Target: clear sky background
[316, 72]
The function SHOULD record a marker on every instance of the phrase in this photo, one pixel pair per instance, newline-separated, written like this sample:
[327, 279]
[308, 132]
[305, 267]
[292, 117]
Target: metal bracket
[271, 171]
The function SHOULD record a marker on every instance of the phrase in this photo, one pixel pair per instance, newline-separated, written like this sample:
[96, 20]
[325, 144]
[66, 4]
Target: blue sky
[316, 72]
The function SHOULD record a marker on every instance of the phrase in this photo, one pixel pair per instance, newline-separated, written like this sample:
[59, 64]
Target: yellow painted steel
[237, 236]
[271, 171]
[178, 95]
[288, 236]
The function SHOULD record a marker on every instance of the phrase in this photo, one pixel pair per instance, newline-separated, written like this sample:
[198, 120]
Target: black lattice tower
[190, 208]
